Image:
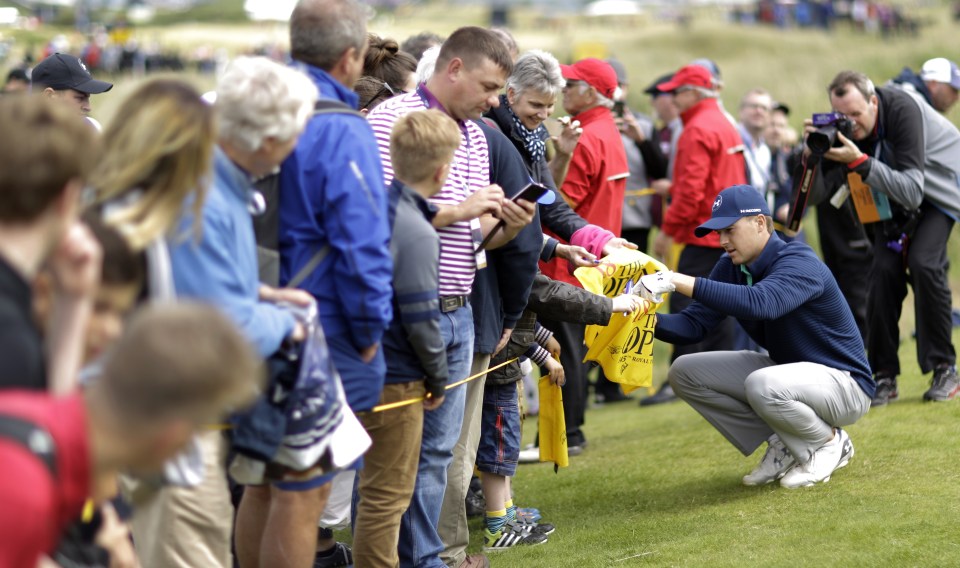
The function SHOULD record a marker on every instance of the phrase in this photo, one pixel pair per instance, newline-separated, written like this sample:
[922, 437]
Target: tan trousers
[388, 476]
[175, 527]
[453, 515]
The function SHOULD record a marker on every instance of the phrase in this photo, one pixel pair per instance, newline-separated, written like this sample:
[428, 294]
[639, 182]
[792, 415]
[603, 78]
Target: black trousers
[572, 350]
[924, 267]
[639, 237]
[699, 261]
[847, 252]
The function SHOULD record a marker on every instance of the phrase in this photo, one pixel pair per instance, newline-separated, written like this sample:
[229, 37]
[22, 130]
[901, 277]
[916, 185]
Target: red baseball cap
[691, 75]
[596, 73]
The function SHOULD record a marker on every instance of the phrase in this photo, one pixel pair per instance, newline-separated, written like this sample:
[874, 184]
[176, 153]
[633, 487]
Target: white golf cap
[941, 70]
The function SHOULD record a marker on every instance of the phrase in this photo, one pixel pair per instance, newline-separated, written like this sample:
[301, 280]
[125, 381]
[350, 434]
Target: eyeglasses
[385, 92]
[755, 106]
[683, 89]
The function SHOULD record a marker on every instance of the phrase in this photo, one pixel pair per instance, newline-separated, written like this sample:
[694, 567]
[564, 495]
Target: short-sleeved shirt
[21, 349]
[34, 507]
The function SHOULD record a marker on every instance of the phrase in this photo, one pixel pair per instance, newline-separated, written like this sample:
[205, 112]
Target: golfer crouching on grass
[815, 378]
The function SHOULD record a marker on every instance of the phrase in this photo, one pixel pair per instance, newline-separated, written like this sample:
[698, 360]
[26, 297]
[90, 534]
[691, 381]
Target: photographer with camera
[902, 148]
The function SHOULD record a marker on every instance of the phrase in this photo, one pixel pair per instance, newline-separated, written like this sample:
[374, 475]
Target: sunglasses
[385, 92]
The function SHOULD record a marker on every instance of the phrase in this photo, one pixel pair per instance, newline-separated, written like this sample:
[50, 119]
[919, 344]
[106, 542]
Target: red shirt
[709, 159]
[596, 179]
[35, 508]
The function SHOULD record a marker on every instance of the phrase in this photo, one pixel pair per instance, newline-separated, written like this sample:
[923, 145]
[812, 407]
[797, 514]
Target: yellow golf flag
[624, 347]
[553, 427]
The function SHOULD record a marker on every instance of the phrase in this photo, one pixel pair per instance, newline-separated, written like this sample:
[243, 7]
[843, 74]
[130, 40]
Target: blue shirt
[331, 193]
[221, 268]
[793, 308]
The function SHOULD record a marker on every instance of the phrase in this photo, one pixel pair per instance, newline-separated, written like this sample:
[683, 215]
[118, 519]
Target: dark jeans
[499, 446]
[925, 268]
[847, 253]
[699, 261]
[570, 338]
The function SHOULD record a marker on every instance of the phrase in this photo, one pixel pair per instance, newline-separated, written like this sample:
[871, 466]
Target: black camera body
[828, 124]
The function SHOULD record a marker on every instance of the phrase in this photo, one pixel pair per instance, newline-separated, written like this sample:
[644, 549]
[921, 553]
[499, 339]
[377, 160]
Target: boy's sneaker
[944, 385]
[830, 457]
[509, 536]
[339, 555]
[535, 527]
[886, 390]
[775, 463]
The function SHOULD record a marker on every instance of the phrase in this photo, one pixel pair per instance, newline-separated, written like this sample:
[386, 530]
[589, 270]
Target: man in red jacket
[709, 158]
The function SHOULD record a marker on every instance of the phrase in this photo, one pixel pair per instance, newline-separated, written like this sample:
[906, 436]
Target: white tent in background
[269, 10]
[602, 8]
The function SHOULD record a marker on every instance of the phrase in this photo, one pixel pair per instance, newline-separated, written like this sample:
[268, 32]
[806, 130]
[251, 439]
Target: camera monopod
[801, 191]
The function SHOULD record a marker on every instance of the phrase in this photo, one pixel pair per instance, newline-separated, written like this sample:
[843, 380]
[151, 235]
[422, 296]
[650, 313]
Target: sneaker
[340, 555]
[509, 536]
[475, 561]
[535, 528]
[528, 514]
[665, 394]
[886, 390]
[944, 385]
[775, 463]
[831, 456]
[529, 455]
[475, 504]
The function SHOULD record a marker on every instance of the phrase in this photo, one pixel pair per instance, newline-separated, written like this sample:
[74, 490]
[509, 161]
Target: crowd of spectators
[233, 322]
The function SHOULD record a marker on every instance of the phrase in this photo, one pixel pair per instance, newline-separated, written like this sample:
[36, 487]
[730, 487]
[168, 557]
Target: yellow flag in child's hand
[624, 347]
[553, 426]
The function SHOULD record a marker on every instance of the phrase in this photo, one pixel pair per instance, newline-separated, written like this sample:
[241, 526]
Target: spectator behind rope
[157, 160]
[384, 61]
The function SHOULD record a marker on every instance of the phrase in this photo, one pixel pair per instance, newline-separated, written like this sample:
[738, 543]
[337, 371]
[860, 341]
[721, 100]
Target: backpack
[266, 224]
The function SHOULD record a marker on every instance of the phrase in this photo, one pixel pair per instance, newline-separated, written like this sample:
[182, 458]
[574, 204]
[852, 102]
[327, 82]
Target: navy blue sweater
[501, 289]
[793, 309]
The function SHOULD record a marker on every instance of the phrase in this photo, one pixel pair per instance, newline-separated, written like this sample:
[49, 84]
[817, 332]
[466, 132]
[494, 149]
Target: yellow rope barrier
[400, 403]
[408, 402]
[639, 192]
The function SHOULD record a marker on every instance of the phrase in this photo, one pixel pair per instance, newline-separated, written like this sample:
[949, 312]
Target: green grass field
[660, 487]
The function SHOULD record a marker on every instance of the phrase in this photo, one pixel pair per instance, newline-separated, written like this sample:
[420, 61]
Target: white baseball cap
[941, 70]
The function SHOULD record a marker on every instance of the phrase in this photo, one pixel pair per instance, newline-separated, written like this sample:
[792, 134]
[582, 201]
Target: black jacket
[558, 216]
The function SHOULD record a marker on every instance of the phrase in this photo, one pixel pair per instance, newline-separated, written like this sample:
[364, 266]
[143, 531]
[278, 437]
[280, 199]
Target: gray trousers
[748, 397]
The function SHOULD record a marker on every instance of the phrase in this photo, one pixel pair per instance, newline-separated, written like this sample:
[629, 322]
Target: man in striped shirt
[471, 69]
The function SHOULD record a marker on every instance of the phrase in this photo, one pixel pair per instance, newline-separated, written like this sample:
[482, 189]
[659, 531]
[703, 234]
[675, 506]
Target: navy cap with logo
[730, 206]
[61, 71]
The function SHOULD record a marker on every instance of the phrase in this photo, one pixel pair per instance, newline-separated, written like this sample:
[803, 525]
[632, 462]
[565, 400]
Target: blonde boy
[422, 145]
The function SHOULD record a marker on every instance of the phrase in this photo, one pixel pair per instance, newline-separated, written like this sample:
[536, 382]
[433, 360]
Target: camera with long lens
[828, 124]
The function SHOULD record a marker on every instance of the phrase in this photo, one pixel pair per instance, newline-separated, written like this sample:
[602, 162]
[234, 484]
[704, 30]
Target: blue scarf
[532, 139]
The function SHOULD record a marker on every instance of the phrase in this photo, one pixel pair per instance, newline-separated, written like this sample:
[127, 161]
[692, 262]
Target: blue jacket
[793, 308]
[500, 290]
[331, 193]
[222, 267]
